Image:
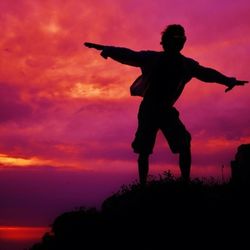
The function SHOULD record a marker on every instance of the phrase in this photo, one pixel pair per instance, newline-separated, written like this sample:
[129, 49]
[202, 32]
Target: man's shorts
[150, 120]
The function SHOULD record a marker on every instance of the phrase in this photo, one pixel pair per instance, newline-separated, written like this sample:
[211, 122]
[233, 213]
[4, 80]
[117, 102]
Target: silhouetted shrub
[167, 212]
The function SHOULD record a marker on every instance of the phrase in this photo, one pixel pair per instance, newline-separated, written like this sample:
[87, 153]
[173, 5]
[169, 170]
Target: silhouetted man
[167, 73]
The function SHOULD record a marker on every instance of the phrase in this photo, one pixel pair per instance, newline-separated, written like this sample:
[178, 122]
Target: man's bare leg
[143, 168]
[185, 163]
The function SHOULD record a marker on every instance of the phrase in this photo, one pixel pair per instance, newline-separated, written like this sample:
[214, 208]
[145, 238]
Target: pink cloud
[62, 102]
[12, 107]
[46, 62]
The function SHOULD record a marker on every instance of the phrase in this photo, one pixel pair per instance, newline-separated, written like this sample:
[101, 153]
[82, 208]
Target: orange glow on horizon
[16, 233]
[22, 162]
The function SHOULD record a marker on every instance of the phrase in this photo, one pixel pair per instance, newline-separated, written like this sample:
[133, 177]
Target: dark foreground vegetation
[167, 213]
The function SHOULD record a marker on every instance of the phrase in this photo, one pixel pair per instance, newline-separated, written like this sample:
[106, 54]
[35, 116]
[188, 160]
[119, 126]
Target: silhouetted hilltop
[166, 213]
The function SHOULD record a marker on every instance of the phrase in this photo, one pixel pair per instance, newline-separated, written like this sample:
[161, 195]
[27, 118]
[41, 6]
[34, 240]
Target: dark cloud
[12, 107]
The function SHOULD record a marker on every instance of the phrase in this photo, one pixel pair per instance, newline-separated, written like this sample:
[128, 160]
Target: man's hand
[234, 82]
[94, 45]
[98, 47]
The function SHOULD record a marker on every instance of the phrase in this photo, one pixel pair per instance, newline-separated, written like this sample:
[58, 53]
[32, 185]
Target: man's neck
[172, 53]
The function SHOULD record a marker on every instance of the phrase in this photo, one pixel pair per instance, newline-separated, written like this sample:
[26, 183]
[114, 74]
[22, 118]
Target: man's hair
[173, 34]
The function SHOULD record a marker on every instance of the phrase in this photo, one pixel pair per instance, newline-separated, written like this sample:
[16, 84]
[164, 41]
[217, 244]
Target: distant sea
[20, 238]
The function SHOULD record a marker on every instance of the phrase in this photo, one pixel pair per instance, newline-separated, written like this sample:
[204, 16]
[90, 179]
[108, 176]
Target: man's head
[173, 38]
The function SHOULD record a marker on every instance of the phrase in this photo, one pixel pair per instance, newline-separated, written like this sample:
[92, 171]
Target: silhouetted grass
[166, 213]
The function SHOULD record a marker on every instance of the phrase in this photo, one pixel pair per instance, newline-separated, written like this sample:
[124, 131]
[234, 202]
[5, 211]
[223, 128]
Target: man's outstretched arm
[211, 75]
[122, 55]
[94, 46]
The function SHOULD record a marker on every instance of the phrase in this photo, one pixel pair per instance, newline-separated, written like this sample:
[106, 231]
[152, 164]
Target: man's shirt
[167, 74]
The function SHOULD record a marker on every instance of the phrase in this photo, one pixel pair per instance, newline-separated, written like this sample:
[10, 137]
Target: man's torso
[167, 76]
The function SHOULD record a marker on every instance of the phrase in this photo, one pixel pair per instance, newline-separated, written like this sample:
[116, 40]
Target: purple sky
[66, 117]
